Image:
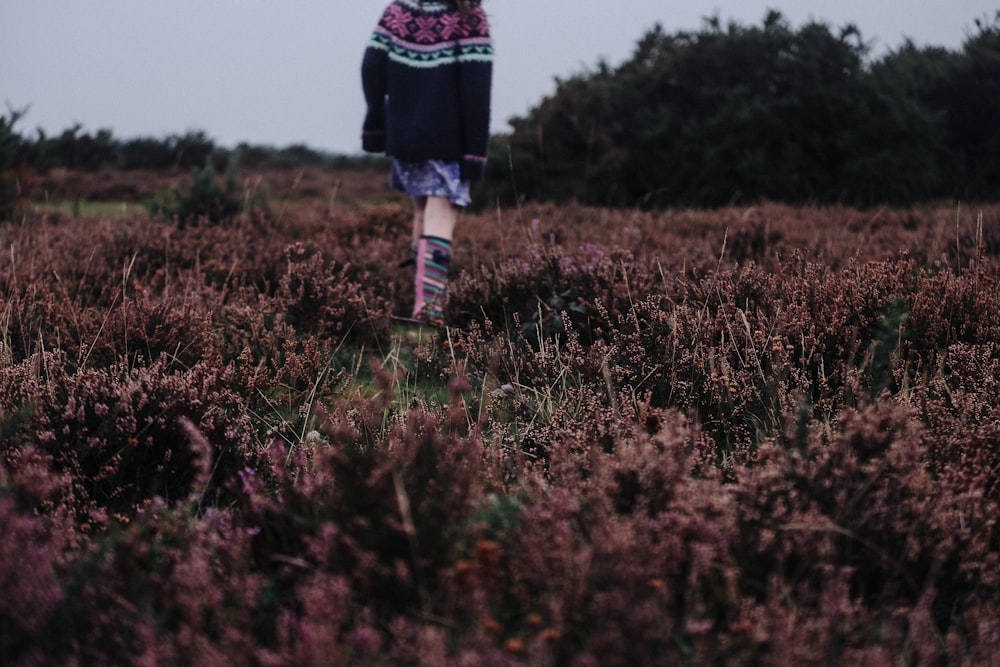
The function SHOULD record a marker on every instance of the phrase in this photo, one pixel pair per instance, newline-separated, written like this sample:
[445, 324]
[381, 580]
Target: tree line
[736, 113]
[75, 148]
[727, 114]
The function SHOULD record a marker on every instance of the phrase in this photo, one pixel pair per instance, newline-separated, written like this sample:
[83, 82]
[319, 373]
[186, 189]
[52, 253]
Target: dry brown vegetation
[763, 435]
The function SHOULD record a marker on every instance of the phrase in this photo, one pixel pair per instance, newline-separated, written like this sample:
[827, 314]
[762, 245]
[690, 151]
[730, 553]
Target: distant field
[114, 195]
[87, 209]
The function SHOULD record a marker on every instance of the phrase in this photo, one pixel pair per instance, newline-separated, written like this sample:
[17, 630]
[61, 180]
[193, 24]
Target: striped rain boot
[431, 282]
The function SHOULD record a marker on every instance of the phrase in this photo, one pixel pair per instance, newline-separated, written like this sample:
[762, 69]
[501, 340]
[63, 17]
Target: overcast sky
[278, 73]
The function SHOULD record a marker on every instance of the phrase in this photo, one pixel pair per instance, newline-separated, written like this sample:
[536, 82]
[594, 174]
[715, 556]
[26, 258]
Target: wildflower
[550, 635]
[514, 646]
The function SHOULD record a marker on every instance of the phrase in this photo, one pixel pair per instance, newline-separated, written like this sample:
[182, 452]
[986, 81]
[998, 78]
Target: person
[427, 79]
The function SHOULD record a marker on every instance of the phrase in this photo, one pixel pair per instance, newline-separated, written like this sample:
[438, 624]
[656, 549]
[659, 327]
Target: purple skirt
[432, 178]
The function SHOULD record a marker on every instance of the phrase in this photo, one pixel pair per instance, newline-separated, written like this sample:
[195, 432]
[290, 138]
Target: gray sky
[278, 73]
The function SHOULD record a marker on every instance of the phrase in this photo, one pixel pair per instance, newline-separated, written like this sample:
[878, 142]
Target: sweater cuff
[373, 142]
[473, 168]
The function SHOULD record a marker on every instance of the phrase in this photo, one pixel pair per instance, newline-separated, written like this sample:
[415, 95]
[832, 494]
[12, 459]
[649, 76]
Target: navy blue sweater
[427, 76]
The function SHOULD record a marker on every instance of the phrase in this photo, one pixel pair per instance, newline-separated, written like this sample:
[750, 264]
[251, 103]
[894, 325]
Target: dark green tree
[975, 110]
[148, 153]
[726, 113]
[10, 155]
[193, 149]
[735, 113]
[75, 149]
[908, 154]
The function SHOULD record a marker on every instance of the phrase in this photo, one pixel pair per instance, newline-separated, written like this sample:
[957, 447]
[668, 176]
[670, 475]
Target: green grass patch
[113, 210]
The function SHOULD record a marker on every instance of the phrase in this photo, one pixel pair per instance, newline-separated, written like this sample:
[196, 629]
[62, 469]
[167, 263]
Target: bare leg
[440, 218]
[419, 207]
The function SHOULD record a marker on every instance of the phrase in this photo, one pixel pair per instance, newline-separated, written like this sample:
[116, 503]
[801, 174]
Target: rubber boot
[431, 280]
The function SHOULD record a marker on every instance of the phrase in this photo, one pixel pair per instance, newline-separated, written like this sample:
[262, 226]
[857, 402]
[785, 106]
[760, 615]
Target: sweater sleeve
[374, 83]
[476, 80]
[476, 83]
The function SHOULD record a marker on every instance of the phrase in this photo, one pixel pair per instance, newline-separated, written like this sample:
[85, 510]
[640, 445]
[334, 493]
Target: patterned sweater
[427, 74]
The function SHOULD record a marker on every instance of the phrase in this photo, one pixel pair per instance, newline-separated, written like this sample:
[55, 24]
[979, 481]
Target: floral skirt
[432, 178]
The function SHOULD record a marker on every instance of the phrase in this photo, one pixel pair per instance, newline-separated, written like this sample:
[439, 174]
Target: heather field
[762, 435]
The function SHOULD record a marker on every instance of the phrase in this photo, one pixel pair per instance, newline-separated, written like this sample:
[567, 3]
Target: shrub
[117, 431]
[206, 199]
[318, 297]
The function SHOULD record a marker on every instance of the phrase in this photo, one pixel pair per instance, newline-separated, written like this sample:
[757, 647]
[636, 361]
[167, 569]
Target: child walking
[427, 77]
